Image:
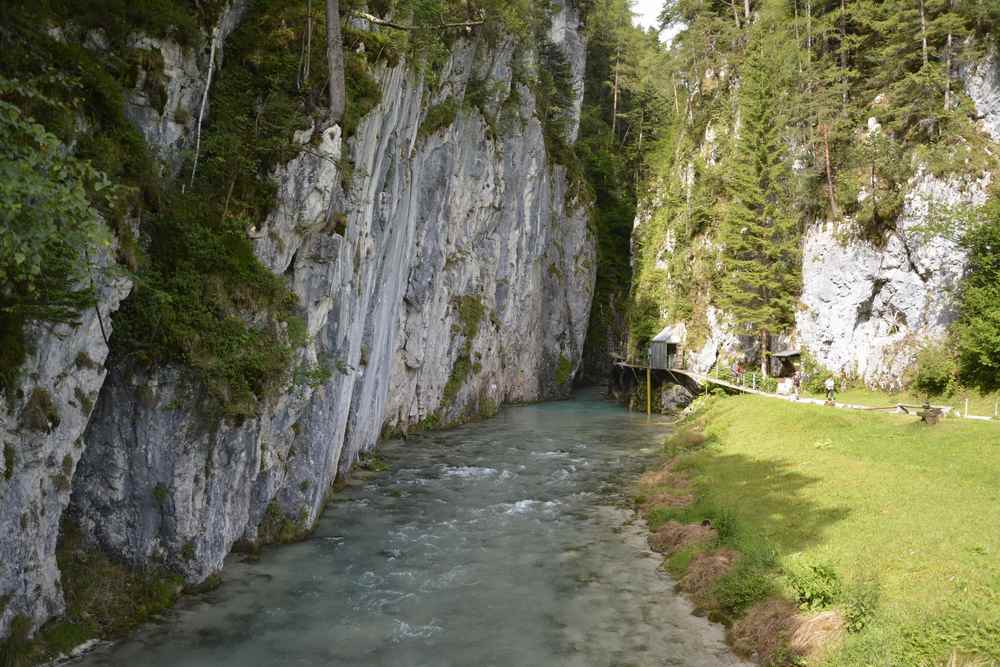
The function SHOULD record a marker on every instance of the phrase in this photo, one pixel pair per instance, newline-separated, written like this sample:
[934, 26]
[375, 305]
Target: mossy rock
[40, 413]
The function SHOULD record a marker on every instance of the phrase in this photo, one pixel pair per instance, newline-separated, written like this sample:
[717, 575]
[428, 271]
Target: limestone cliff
[449, 271]
[866, 307]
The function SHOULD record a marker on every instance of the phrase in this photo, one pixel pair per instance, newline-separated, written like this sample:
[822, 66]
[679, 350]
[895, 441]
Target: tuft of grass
[280, 528]
[40, 413]
[470, 310]
[564, 370]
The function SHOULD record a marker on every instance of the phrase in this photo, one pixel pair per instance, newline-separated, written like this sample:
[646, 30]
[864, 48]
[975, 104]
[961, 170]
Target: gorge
[264, 297]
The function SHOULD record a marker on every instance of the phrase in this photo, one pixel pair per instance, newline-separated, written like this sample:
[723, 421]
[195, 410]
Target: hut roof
[672, 334]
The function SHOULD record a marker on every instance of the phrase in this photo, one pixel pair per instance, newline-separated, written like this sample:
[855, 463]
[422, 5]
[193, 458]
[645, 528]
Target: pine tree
[760, 259]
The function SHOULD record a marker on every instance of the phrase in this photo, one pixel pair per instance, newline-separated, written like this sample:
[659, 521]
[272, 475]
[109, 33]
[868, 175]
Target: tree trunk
[614, 108]
[825, 133]
[843, 49]
[746, 9]
[764, 340]
[798, 38]
[736, 14]
[335, 58]
[923, 31]
[947, 65]
[809, 31]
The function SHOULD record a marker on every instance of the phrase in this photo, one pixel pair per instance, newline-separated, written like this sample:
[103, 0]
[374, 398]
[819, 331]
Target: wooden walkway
[704, 380]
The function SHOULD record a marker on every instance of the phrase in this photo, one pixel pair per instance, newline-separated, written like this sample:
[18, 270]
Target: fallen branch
[399, 26]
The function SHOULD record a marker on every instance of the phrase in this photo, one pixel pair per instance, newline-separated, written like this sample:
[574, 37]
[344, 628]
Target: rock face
[170, 124]
[43, 425]
[41, 428]
[982, 82]
[452, 273]
[867, 310]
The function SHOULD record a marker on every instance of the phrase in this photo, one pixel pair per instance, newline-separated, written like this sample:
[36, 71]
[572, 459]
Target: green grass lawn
[874, 496]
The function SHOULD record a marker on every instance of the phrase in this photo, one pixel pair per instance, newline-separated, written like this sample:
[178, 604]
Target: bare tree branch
[399, 26]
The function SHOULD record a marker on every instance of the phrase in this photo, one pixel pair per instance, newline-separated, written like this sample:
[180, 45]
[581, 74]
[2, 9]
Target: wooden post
[649, 391]
[966, 406]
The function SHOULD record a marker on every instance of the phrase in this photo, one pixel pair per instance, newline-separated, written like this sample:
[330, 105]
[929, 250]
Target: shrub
[978, 326]
[564, 370]
[935, 372]
[816, 585]
[40, 413]
[9, 459]
[14, 651]
[745, 585]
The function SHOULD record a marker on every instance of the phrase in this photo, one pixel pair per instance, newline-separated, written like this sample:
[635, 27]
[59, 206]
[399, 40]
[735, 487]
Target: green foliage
[816, 585]
[9, 461]
[860, 602]
[40, 413]
[760, 232]
[49, 226]
[742, 587]
[439, 117]
[935, 371]
[978, 327]
[470, 311]
[14, 650]
[190, 303]
[564, 370]
[104, 599]
[278, 527]
[160, 494]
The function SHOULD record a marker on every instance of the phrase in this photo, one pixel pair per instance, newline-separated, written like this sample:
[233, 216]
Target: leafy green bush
[978, 327]
[50, 230]
[742, 587]
[816, 585]
[935, 372]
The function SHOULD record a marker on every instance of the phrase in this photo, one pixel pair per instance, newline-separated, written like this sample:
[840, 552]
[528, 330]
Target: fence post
[966, 406]
[649, 391]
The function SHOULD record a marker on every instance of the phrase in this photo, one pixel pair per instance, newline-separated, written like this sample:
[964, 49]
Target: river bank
[826, 537]
[507, 542]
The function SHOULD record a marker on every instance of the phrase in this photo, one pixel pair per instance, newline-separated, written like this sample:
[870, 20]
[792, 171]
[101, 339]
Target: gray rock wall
[41, 428]
[868, 310]
[433, 224]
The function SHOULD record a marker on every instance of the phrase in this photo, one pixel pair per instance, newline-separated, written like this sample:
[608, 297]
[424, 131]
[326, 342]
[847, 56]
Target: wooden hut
[664, 349]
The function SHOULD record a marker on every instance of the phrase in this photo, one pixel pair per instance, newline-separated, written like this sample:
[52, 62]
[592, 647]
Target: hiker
[830, 387]
[797, 383]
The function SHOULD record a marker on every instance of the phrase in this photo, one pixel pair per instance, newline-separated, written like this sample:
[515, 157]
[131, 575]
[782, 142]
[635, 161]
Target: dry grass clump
[956, 659]
[704, 571]
[764, 631]
[775, 633]
[673, 536]
[816, 634]
[664, 488]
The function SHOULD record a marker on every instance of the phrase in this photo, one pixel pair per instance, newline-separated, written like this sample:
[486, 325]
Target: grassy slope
[868, 493]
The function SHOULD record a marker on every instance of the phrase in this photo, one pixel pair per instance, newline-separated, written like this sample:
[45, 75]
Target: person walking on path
[830, 387]
[797, 384]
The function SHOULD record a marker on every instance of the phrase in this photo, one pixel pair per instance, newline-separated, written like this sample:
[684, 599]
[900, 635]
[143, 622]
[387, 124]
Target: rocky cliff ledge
[448, 270]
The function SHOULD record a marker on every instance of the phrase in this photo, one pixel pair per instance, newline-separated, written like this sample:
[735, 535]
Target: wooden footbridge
[703, 381]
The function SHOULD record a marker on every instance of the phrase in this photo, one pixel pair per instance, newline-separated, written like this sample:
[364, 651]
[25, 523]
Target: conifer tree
[760, 260]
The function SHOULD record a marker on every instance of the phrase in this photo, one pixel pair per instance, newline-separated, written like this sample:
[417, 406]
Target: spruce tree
[760, 258]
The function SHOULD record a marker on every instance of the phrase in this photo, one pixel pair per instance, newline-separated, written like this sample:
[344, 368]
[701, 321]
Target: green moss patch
[470, 311]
